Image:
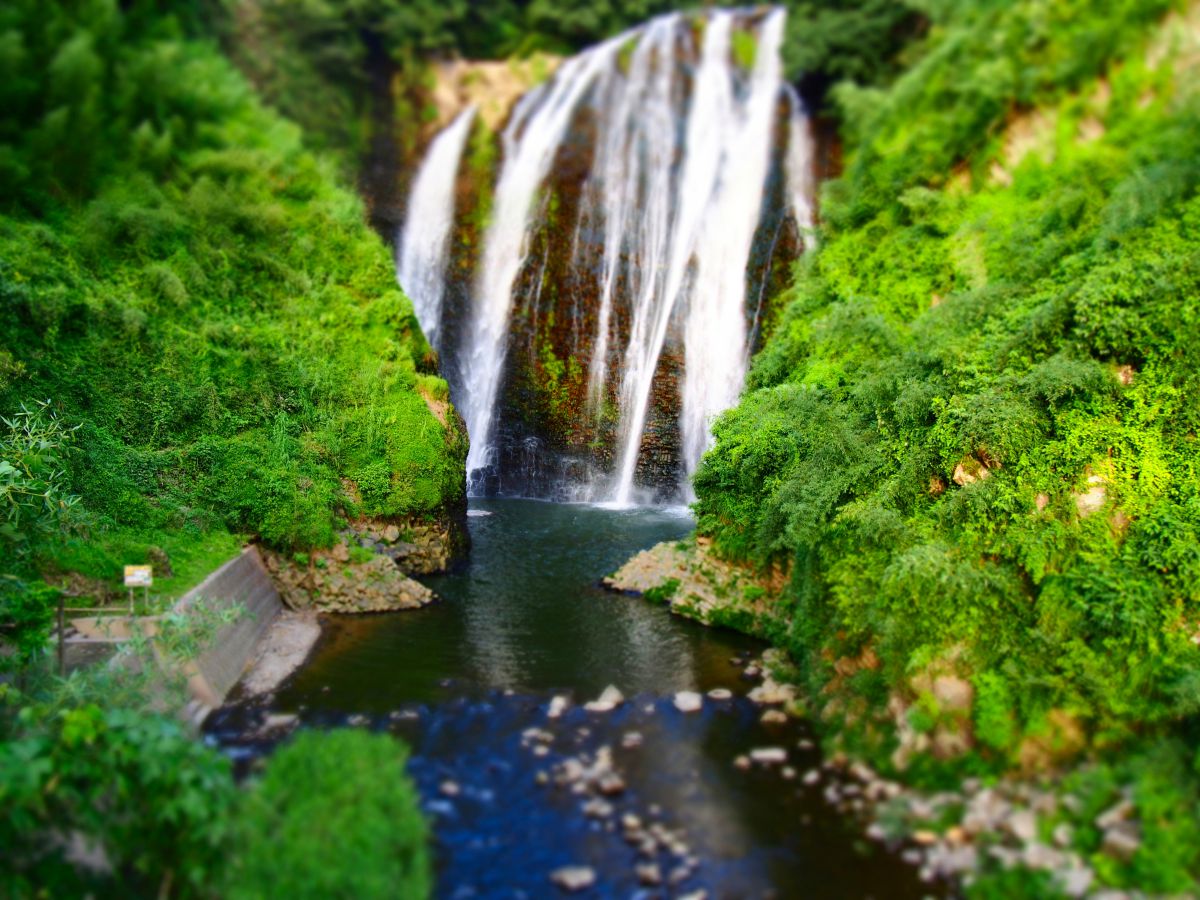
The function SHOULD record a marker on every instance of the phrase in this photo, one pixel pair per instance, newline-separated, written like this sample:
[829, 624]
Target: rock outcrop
[345, 579]
[417, 548]
[693, 581]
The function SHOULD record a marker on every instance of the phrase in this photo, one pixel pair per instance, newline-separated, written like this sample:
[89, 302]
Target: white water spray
[719, 197]
[684, 143]
[530, 140]
[425, 240]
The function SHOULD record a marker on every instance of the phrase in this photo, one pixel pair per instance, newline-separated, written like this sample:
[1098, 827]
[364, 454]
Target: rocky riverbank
[368, 570]
[1048, 826]
[694, 582]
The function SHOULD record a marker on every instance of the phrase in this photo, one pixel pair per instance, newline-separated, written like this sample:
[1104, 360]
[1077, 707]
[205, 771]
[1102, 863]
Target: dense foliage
[320, 61]
[973, 434]
[102, 798]
[97, 795]
[202, 306]
[335, 815]
[199, 337]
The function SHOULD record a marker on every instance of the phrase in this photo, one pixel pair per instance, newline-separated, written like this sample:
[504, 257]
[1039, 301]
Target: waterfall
[669, 145]
[425, 239]
[719, 197]
[799, 168]
[529, 142]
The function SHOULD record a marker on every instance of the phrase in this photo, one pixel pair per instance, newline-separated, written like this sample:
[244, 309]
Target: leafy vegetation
[211, 320]
[150, 805]
[335, 815]
[200, 340]
[664, 592]
[973, 434]
[342, 68]
[103, 797]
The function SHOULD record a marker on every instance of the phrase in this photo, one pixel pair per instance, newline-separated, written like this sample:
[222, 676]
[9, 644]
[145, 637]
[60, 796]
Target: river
[525, 620]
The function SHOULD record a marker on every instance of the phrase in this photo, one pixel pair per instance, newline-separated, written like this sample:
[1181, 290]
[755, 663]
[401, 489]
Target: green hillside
[199, 301]
[973, 435]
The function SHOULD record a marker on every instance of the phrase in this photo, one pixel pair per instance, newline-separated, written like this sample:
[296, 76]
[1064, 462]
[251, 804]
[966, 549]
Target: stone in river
[774, 717]
[597, 809]
[768, 756]
[610, 783]
[609, 699]
[574, 878]
[720, 694]
[688, 701]
[558, 705]
[649, 874]
[529, 735]
[275, 721]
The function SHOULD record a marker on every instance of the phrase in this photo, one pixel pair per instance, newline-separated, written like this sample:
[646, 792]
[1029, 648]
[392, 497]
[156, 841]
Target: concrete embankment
[243, 581]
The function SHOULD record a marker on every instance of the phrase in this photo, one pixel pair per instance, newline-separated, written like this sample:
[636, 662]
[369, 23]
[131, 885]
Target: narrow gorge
[829, 522]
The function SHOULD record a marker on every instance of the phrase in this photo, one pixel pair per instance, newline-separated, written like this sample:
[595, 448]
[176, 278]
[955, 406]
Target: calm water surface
[525, 620]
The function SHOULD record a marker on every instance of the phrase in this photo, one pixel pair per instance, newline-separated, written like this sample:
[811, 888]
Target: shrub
[334, 815]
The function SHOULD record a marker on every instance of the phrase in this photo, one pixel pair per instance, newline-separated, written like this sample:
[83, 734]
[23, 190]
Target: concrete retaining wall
[243, 580]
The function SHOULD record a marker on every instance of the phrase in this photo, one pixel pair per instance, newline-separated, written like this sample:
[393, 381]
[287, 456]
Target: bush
[334, 815]
[145, 798]
[202, 301]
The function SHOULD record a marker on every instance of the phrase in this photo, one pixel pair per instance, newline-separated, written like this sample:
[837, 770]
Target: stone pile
[332, 582]
[662, 856]
[418, 548]
[954, 835]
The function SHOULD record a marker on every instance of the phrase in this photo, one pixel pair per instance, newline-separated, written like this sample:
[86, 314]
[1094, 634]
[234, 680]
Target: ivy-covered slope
[973, 434]
[193, 291]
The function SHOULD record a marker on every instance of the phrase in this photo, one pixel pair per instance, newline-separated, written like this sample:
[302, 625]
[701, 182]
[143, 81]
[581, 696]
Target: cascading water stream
[530, 140]
[799, 168]
[720, 192]
[425, 240]
[676, 131]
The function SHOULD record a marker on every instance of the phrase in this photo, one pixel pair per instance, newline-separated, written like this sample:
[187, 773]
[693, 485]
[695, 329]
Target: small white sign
[139, 576]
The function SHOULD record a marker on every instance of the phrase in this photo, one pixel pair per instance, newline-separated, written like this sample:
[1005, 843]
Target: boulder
[649, 874]
[609, 699]
[558, 705]
[574, 878]
[1022, 824]
[1121, 841]
[768, 756]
